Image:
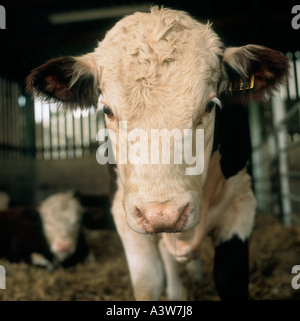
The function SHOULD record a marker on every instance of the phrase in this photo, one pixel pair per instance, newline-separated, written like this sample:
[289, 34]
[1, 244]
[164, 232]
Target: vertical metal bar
[90, 133]
[23, 122]
[10, 119]
[66, 135]
[258, 157]
[295, 75]
[289, 101]
[14, 102]
[50, 132]
[73, 127]
[42, 131]
[278, 116]
[17, 117]
[1, 117]
[4, 117]
[58, 133]
[81, 134]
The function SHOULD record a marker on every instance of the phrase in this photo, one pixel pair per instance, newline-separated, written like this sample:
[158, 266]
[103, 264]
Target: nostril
[182, 211]
[139, 214]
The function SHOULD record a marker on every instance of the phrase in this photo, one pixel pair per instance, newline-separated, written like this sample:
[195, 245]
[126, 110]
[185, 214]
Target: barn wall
[84, 175]
[17, 178]
[28, 181]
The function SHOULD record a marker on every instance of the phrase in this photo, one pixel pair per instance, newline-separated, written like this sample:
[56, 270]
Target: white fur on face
[158, 71]
[61, 215]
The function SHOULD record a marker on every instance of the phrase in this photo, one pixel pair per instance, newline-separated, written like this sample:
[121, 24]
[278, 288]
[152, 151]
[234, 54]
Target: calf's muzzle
[156, 217]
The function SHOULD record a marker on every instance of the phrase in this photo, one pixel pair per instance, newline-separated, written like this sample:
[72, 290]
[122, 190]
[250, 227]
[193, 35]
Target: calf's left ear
[71, 81]
[253, 71]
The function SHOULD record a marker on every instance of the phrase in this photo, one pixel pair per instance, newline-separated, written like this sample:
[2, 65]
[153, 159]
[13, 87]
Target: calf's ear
[71, 81]
[253, 71]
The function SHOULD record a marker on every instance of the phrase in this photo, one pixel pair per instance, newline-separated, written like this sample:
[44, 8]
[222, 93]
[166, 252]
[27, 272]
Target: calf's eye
[209, 106]
[107, 110]
[211, 103]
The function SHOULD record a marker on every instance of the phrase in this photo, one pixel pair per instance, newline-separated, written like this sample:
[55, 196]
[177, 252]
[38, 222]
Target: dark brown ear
[253, 72]
[72, 81]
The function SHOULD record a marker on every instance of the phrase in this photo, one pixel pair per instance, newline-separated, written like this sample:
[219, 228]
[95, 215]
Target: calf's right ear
[71, 81]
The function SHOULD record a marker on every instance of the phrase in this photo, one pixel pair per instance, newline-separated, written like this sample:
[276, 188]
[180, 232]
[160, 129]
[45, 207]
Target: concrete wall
[29, 181]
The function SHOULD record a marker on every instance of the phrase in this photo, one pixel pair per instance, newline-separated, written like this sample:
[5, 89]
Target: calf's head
[61, 216]
[160, 74]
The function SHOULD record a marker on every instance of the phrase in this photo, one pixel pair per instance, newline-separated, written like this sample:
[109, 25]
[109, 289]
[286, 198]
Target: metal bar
[50, 133]
[74, 143]
[278, 109]
[90, 133]
[42, 132]
[14, 100]
[66, 133]
[295, 75]
[1, 115]
[58, 133]
[9, 121]
[81, 134]
[289, 100]
[5, 140]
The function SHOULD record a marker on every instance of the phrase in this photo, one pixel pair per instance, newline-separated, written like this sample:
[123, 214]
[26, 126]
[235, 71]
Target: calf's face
[160, 74]
[61, 215]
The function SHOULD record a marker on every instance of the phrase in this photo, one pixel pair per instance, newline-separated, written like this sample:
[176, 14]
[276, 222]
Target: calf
[61, 217]
[50, 234]
[161, 75]
[21, 235]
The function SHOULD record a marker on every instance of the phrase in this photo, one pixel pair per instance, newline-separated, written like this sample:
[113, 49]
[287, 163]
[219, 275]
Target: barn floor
[274, 251]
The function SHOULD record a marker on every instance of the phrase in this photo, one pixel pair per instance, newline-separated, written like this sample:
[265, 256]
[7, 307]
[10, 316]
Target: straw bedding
[274, 250]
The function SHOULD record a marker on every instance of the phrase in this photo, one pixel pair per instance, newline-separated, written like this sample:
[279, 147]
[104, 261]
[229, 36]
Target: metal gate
[44, 131]
[17, 137]
[62, 134]
[275, 135]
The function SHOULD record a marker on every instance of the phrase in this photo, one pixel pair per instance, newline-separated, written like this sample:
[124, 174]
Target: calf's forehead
[163, 57]
[60, 208]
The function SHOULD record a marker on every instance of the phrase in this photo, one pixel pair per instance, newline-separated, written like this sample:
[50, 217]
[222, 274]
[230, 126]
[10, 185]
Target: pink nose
[64, 246]
[158, 217]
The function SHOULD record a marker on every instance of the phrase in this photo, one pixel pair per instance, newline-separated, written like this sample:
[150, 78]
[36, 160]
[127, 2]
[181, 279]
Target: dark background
[30, 39]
